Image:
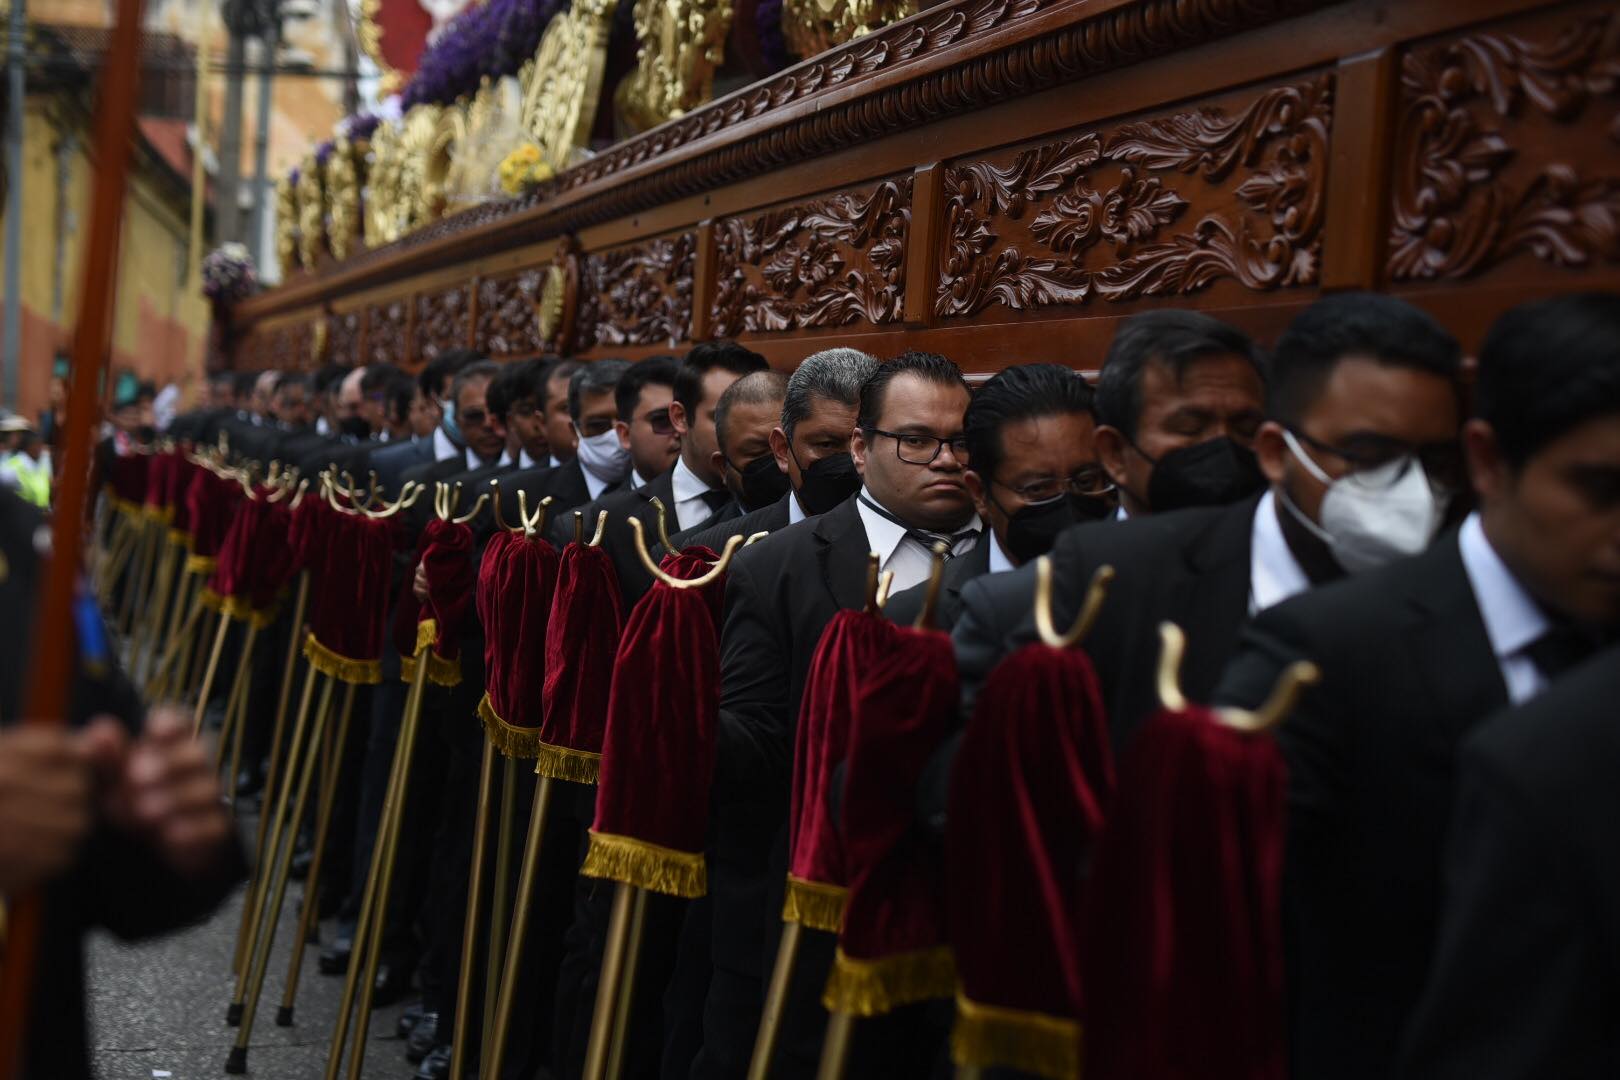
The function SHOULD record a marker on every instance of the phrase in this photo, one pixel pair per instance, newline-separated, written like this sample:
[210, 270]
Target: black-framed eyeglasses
[916, 448]
[1090, 481]
[660, 422]
[1380, 463]
[596, 425]
[472, 417]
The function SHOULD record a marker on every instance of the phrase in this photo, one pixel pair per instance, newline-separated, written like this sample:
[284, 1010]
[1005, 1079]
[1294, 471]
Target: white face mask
[602, 456]
[1371, 519]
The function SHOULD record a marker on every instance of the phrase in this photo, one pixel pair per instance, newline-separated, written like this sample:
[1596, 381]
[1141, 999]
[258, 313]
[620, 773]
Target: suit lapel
[841, 549]
[1458, 665]
[1218, 595]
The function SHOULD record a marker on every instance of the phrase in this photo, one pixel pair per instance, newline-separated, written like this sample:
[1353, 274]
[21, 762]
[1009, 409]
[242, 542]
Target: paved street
[157, 1009]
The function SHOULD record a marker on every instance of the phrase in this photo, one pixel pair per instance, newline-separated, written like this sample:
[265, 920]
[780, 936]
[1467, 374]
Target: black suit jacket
[1526, 977]
[392, 461]
[564, 483]
[904, 607]
[1190, 567]
[1407, 672]
[731, 521]
[623, 504]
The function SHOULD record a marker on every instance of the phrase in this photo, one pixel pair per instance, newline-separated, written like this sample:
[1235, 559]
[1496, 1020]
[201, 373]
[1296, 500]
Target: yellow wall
[159, 324]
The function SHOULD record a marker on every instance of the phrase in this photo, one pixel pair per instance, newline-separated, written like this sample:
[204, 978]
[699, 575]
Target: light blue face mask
[451, 428]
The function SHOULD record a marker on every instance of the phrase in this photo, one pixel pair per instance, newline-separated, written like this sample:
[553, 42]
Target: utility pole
[199, 152]
[239, 23]
[15, 90]
[261, 134]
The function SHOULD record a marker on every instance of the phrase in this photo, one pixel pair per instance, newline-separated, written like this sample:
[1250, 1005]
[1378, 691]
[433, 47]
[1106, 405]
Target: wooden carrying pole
[54, 644]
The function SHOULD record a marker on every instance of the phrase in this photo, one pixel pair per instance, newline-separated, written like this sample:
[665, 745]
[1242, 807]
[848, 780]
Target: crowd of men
[1442, 539]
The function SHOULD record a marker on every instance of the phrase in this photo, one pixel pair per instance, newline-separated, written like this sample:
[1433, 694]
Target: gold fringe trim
[876, 987]
[512, 742]
[210, 599]
[160, 514]
[427, 631]
[565, 763]
[123, 506]
[440, 672]
[992, 1037]
[201, 564]
[646, 865]
[338, 666]
[180, 538]
[815, 904]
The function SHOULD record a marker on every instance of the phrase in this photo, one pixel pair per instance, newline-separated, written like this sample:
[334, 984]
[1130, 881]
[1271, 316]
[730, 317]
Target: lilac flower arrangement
[773, 48]
[360, 125]
[494, 38]
[228, 274]
[323, 151]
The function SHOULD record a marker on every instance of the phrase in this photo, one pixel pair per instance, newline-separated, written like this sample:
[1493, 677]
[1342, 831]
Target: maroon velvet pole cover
[350, 610]
[490, 572]
[817, 880]
[586, 627]
[891, 946]
[652, 800]
[1027, 801]
[179, 482]
[1181, 952]
[511, 709]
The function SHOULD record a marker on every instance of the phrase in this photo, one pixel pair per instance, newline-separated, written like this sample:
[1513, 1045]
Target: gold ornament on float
[343, 183]
[563, 81]
[683, 42]
[286, 225]
[814, 26]
[311, 213]
[548, 310]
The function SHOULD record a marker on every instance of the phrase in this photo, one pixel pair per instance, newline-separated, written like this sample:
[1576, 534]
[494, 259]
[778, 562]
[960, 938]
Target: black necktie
[1560, 649]
[926, 537]
[716, 499]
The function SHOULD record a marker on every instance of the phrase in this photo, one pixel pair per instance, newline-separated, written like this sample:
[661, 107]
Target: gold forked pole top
[719, 566]
[303, 486]
[535, 523]
[601, 527]
[1284, 696]
[1096, 593]
[877, 585]
[663, 530]
[936, 576]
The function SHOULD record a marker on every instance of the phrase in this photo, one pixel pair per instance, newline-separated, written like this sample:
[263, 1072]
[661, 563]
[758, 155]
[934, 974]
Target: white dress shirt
[524, 461]
[690, 509]
[557, 462]
[907, 556]
[442, 446]
[998, 558]
[1274, 572]
[637, 480]
[796, 512]
[595, 485]
[1513, 621]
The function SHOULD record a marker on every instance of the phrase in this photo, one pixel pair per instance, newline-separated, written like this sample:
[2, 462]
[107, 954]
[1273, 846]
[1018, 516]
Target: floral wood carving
[1097, 205]
[1460, 205]
[830, 262]
[639, 295]
[385, 333]
[441, 321]
[507, 325]
[343, 338]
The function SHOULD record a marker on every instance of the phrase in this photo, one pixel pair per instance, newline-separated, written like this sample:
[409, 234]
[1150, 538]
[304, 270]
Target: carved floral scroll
[833, 261]
[1507, 145]
[441, 321]
[507, 323]
[385, 333]
[1161, 207]
[638, 295]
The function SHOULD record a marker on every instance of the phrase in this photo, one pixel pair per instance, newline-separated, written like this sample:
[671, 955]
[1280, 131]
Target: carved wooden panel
[832, 261]
[385, 333]
[298, 347]
[637, 295]
[507, 324]
[442, 321]
[1161, 207]
[1507, 148]
[343, 338]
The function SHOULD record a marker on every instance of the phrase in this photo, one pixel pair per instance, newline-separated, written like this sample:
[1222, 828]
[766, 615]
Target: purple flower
[768, 29]
[323, 150]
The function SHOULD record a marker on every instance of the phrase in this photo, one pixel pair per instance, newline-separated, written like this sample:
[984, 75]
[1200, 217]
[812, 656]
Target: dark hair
[245, 382]
[442, 368]
[480, 369]
[930, 367]
[1174, 339]
[832, 374]
[1019, 393]
[399, 393]
[219, 378]
[1547, 367]
[653, 371]
[523, 379]
[1336, 327]
[594, 379]
[560, 369]
[712, 356]
[328, 375]
[377, 377]
[760, 388]
[290, 379]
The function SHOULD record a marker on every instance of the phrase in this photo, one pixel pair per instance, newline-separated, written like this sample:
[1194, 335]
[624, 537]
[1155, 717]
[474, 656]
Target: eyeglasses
[522, 409]
[1091, 481]
[472, 417]
[1379, 463]
[596, 425]
[660, 422]
[914, 448]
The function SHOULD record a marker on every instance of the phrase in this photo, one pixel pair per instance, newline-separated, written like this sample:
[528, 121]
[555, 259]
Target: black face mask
[828, 482]
[145, 433]
[1032, 530]
[762, 483]
[355, 428]
[1215, 472]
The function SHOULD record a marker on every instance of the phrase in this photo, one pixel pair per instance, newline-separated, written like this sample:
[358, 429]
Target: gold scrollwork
[683, 42]
[311, 213]
[286, 225]
[424, 166]
[548, 310]
[814, 26]
[563, 81]
[343, 183]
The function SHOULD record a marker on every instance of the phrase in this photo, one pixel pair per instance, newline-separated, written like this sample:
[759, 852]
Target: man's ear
[857, 450]
[779, 450]
[1272, 450]
[622, 429]
[977, 489]
[1111, 446]
[717, 462]
[1488, 470]
[677, 416]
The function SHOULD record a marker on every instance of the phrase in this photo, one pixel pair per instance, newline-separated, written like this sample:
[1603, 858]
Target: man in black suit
[780, 593]
[1034, 472]
[689, 488]
[1416, 654]
[747, 414]
[1176, 387]
[430, 442]
[1525, 981]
